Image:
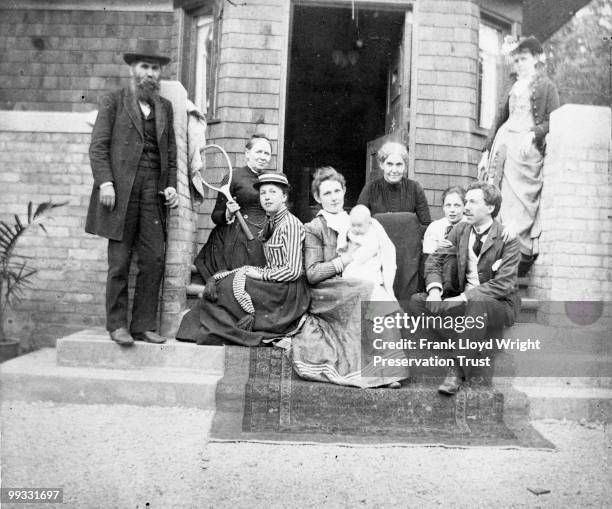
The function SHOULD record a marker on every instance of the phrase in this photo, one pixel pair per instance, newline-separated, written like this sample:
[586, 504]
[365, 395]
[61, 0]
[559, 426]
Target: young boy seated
[373, 251]
[453, 201]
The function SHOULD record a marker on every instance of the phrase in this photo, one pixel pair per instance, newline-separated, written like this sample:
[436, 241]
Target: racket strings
[216, 177]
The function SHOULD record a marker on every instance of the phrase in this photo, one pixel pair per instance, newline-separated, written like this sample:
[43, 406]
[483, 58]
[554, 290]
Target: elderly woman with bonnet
[514, 153]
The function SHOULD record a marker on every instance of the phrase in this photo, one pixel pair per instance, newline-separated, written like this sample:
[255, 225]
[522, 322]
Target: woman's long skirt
[278, 308]
[228, 248]
[329, 346]
[520, 181]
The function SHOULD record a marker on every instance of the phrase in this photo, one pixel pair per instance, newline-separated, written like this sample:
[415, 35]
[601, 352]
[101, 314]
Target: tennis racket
[220, 180]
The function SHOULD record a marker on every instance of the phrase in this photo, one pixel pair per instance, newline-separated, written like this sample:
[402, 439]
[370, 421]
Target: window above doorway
[200, 30]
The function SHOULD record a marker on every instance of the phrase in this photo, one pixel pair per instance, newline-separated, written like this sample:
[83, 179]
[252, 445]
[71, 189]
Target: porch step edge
[37, 377]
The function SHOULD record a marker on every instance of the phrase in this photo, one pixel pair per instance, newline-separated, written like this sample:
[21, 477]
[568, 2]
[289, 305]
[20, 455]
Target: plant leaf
[5, 228]
[15, 276]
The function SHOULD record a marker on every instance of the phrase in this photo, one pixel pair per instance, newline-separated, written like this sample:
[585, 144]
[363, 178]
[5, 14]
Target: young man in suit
[133, 160]
[485, 264]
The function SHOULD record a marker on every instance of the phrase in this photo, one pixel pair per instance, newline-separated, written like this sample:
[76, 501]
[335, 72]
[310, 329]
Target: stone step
[93, 348]
[574, 403]
[529, 304]
[38, 377]
[529, 310]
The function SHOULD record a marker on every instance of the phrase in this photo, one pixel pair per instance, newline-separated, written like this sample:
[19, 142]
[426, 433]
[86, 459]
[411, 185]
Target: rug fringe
[378, 446]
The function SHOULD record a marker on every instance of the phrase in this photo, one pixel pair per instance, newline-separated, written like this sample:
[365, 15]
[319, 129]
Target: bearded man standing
[133, 160]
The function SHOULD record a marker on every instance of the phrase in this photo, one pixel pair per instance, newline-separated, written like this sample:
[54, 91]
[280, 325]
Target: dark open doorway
[339, 88]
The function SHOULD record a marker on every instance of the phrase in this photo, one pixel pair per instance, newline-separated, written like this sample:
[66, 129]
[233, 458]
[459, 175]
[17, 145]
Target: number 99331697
[29, 495]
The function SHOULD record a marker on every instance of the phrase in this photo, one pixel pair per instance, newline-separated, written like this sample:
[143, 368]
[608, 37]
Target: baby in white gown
[367, 263]
[373, 251]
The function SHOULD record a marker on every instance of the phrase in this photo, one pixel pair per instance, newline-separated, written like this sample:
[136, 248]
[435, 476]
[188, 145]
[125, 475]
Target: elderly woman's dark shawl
[406, 233]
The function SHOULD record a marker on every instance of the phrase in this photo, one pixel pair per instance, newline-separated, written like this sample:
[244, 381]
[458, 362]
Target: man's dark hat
[146, 49]
[274, 177]
[530, 44]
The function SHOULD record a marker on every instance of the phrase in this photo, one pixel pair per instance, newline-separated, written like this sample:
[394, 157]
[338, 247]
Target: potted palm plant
[15, 274]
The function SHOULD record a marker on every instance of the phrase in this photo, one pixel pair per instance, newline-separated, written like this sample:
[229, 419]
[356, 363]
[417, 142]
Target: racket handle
[245, 228]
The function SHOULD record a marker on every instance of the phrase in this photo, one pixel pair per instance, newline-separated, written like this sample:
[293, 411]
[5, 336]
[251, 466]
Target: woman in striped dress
[251, 304]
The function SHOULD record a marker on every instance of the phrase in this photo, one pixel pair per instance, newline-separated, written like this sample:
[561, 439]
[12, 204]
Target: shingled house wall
[446, 93]
[249, 83]
[445, 139]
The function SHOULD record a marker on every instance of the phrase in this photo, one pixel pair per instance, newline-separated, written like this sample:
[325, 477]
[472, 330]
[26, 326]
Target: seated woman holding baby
[348, 260]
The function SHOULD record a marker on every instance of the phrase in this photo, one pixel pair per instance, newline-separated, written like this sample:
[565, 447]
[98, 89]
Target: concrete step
[93, 348]
[529, 310]
[38, 377]
[575, 403]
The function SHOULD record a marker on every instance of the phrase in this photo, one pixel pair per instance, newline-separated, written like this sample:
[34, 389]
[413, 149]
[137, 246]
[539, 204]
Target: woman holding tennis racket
[228, 246]
[251, 304]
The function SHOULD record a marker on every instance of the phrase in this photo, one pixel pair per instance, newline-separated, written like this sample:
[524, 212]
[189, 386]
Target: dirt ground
[151, 457]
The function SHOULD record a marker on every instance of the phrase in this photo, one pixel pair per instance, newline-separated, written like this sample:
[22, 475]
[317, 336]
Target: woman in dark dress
[227, 246]
[405, 198]
[250, 304]
[394, 192]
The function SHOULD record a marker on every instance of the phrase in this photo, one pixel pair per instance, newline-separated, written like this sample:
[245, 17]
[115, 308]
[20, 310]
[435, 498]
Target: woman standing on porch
[516, 146]
[394, 192]
[328, 347]
[250, 304]
[227, 246]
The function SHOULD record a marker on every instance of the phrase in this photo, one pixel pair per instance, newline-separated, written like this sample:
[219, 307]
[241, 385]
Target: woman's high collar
[279, 215]
[257, 173]
[394, 185]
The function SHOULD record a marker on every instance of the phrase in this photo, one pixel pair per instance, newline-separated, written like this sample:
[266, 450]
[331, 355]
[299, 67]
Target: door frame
[399, 5]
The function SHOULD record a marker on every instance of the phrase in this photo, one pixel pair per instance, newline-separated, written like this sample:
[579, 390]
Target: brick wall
[38, 165]
[576, 208]
[64, 60]
[446, 146]
[249, 83]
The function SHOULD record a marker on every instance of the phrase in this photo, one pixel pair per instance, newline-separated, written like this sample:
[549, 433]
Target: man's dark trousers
[143, 234]
[491, 311]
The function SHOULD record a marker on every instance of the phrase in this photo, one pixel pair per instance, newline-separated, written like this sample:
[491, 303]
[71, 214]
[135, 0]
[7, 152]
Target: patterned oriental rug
[261, 399]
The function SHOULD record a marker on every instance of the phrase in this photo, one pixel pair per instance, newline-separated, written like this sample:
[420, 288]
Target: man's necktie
[267, 230]
[447, 230]
[478, 242]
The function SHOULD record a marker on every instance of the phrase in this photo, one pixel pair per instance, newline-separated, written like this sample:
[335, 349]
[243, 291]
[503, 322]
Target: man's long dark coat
[117, 142]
